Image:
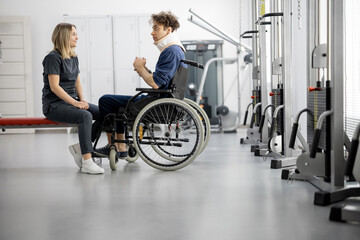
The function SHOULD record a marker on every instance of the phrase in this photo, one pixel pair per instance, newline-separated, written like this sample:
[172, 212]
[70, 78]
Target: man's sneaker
[104, 151]
[76, 153]
[88, 166]
[121, 155]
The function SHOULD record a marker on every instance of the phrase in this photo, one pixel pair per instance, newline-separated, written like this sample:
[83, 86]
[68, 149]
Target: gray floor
[226, 193]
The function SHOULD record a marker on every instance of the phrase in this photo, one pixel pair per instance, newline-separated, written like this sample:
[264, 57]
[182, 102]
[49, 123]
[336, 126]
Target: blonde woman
[63, 100]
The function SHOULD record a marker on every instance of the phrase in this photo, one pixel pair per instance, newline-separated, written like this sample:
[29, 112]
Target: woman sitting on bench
[63, 99]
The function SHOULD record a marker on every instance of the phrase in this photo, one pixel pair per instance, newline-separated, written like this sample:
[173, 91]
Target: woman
[63, 99]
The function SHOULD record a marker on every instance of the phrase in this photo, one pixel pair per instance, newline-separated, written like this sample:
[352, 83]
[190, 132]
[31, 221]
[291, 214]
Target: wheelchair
[165, 129]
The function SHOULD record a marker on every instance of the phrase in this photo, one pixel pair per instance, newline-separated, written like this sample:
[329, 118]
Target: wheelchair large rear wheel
[204, 120]
[172, 127]
[207, 131]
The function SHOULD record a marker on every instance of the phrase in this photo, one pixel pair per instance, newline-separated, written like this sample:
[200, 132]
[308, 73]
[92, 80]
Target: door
[100, 57]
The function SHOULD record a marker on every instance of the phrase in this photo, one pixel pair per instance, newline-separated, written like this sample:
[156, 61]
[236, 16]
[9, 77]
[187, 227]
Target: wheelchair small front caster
[132, 154]
[113, 158]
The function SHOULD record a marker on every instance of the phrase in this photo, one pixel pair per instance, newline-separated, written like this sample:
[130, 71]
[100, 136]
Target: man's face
[159, 31]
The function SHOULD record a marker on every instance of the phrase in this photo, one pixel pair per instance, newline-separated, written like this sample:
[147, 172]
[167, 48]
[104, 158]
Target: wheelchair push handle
[193, 63]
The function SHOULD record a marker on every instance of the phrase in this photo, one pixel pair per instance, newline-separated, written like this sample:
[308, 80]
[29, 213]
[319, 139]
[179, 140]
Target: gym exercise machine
[231, 119]
[323, 165]
[288, 158]
[281, 96]
[212, 95]
[349, 211]
[272, 144]
[318, 108]
[259, 92]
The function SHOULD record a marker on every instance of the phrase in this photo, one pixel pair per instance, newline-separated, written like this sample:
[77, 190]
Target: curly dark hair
[167, 19]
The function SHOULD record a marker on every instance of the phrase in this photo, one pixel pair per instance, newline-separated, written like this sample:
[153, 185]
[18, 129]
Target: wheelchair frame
[168, 133]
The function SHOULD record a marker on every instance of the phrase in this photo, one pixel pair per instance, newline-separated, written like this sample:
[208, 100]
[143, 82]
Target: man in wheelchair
[164, 26]
[167, 134]
[162, 126]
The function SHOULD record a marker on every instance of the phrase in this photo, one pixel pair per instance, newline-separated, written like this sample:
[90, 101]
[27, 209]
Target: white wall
[45, 14]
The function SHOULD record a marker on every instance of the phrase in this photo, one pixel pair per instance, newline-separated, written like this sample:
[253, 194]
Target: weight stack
[255, 100]
[277, 99]
[317, 104]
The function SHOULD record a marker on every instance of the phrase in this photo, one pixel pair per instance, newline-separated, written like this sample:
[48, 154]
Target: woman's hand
[81, 104]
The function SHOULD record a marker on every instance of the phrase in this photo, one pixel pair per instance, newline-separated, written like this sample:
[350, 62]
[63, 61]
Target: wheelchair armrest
[151, 90]
[193, 63]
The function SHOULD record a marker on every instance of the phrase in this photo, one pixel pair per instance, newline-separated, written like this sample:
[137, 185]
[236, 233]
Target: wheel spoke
[168, 143]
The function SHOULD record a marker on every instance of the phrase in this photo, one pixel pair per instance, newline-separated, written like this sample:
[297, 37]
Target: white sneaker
[88, 166]
[76, 152]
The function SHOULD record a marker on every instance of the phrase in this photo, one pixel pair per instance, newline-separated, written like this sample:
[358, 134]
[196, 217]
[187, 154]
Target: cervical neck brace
[168, 40]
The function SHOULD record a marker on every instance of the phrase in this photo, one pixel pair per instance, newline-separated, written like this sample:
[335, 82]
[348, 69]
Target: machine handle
[352, 155]
[318, 132]
[272, 128]
[278, 14]
[293, 135]
[248, 32]
[252, 120]
[352, 152]
[245, 118]
[262, 120]
[315, 143]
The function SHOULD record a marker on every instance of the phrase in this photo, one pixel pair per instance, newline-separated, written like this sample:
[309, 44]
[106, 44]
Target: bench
[30, 122]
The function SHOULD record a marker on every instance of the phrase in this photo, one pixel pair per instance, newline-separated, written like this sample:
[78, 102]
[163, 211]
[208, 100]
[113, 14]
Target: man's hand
[144, 73]
[139, 63]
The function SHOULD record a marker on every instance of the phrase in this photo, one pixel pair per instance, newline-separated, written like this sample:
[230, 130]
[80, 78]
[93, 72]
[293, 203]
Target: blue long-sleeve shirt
[168, 63]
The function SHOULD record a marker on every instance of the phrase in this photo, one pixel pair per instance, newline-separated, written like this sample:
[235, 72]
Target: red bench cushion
[27, 121]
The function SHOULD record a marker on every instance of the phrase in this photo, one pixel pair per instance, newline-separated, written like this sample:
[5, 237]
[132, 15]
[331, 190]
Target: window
[352, 70]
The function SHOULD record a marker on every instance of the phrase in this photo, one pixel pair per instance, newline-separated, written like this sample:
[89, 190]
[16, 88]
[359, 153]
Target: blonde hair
[61, 40]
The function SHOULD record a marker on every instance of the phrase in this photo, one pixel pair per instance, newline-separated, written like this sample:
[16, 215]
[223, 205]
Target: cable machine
[279, 133]
[228, 121]
[323, 164]
[202, 51]
[259, 79]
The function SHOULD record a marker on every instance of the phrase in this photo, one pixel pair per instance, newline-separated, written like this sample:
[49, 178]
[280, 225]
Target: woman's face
[159, 31]
[73, 37]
